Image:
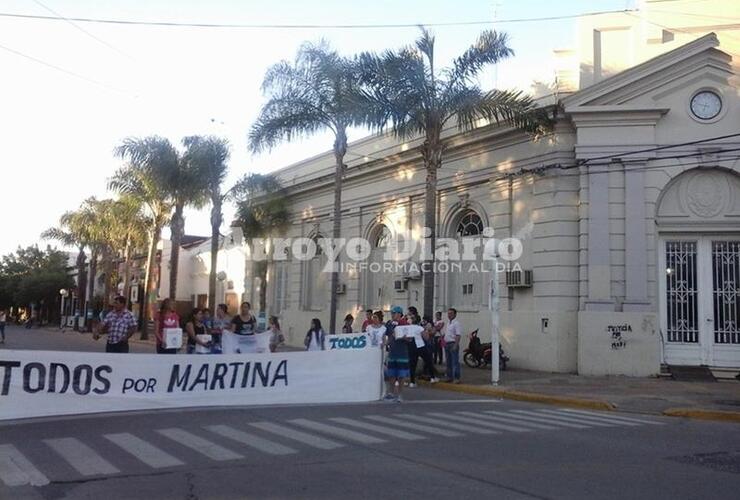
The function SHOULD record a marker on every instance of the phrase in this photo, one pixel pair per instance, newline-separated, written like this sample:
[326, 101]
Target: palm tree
[123, 229]
[129, 233]
[262, 212]
[187, 189]
[79, 228]
[318, 91]
[208, 156]
[411, 96]
[148, 177]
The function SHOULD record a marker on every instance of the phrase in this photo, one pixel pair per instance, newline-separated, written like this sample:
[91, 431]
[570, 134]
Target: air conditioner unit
[341, 288]
[519, 278]
[400, 285]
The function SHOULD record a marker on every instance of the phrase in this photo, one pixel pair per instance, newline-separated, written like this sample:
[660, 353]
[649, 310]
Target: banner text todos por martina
[44, 383]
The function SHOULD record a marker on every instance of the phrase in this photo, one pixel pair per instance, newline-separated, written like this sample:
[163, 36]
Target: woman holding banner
[220, 323]
[167, 318]
[315, 337]
[244, 323]
[197, 333]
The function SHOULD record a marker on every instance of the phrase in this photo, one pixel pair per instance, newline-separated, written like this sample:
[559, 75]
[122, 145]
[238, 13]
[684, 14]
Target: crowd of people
[199, 328]
[435, 342]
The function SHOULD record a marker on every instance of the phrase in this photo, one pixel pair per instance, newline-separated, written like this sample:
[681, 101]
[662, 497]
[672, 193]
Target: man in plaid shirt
[120, 325]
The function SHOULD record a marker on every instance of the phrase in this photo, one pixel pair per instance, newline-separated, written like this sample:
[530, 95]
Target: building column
[635, 250]
[599, 258]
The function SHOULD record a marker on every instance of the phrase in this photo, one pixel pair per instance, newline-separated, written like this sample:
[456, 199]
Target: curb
[701, 414]
[533, 397]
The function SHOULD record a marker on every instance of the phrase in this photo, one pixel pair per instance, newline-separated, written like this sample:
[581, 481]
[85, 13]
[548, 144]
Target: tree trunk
[432, 153]
[340, 149]
[81, 286]
[127, 270]
[177, 228]
[151, 279]
[91, 279]
[263, 266]
[216, 218]
[108, 271]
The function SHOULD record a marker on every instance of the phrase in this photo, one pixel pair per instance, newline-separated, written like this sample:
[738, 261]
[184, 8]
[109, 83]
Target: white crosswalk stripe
[378, 429]
[256, 442]
[17, 470]
[302, 437]
[547, 420]
[81, 457]
[337, 431]
[581, 418]
[446, 424]
[199, 444]
[143, 450]
[604, 419]
[517, 420]
[611, 416]
[415, 427]
[475, 417]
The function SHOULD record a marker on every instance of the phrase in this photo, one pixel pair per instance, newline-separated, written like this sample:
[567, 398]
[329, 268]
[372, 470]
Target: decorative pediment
[657, 77]
[705, 196]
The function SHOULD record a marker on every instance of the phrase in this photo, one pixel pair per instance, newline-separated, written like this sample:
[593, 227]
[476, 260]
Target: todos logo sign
[347, 341]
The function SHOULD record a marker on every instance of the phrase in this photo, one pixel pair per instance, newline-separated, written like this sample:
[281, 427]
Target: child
[276, 336]
[315, 337]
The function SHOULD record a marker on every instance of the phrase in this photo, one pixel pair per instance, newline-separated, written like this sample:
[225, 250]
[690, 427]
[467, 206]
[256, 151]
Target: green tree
[129, 228]
[81, 228]
[262, 213]
[208, 156]
[148, 177]
[187, 189]
[319, 91]
[32, 276]
[414, 98]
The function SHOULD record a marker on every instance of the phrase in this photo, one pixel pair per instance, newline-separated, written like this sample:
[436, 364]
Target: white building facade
[628, 215]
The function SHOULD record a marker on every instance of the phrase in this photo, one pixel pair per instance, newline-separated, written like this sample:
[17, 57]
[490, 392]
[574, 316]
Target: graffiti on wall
[616, 331]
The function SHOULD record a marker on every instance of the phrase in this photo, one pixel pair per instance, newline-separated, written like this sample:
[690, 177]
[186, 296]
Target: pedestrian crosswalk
[21, 463]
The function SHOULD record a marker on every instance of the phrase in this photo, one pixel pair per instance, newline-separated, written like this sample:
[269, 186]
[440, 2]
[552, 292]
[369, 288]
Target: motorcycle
[478, 354]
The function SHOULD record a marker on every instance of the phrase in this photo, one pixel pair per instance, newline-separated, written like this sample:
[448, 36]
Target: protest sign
[44, 383]
[232, 343]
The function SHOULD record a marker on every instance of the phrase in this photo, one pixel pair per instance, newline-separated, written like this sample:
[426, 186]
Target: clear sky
[58, 131]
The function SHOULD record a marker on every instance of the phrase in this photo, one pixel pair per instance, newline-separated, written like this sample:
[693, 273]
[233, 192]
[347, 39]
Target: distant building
[195, 268]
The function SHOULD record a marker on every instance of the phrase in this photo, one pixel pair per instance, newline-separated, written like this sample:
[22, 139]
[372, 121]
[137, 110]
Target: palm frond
[490, 48]
[502, 107]
[285, 118]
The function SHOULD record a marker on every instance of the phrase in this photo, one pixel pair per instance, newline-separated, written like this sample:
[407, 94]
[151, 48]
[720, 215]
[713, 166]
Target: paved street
[53, 339]
[434, 445]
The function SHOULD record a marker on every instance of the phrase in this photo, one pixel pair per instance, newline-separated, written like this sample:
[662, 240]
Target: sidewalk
[720, 400]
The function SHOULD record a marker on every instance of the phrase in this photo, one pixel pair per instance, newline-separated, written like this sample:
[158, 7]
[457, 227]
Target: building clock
[706, 105]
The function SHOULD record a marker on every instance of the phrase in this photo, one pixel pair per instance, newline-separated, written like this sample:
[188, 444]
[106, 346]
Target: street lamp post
[493, 307]
[63, 294]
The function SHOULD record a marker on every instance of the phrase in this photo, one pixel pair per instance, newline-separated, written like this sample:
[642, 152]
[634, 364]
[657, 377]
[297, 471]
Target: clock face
[705, 105]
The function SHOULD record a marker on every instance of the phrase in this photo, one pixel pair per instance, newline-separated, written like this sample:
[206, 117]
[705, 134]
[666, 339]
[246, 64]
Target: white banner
[43, 383]
[232, 343]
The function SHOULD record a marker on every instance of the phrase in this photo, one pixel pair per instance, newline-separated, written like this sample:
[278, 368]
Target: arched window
[465, 284]
[382, 236]
[378, 280]
[315, 286]
[470, 225]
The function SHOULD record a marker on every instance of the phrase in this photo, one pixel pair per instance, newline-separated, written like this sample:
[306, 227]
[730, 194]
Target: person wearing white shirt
[452, 346]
